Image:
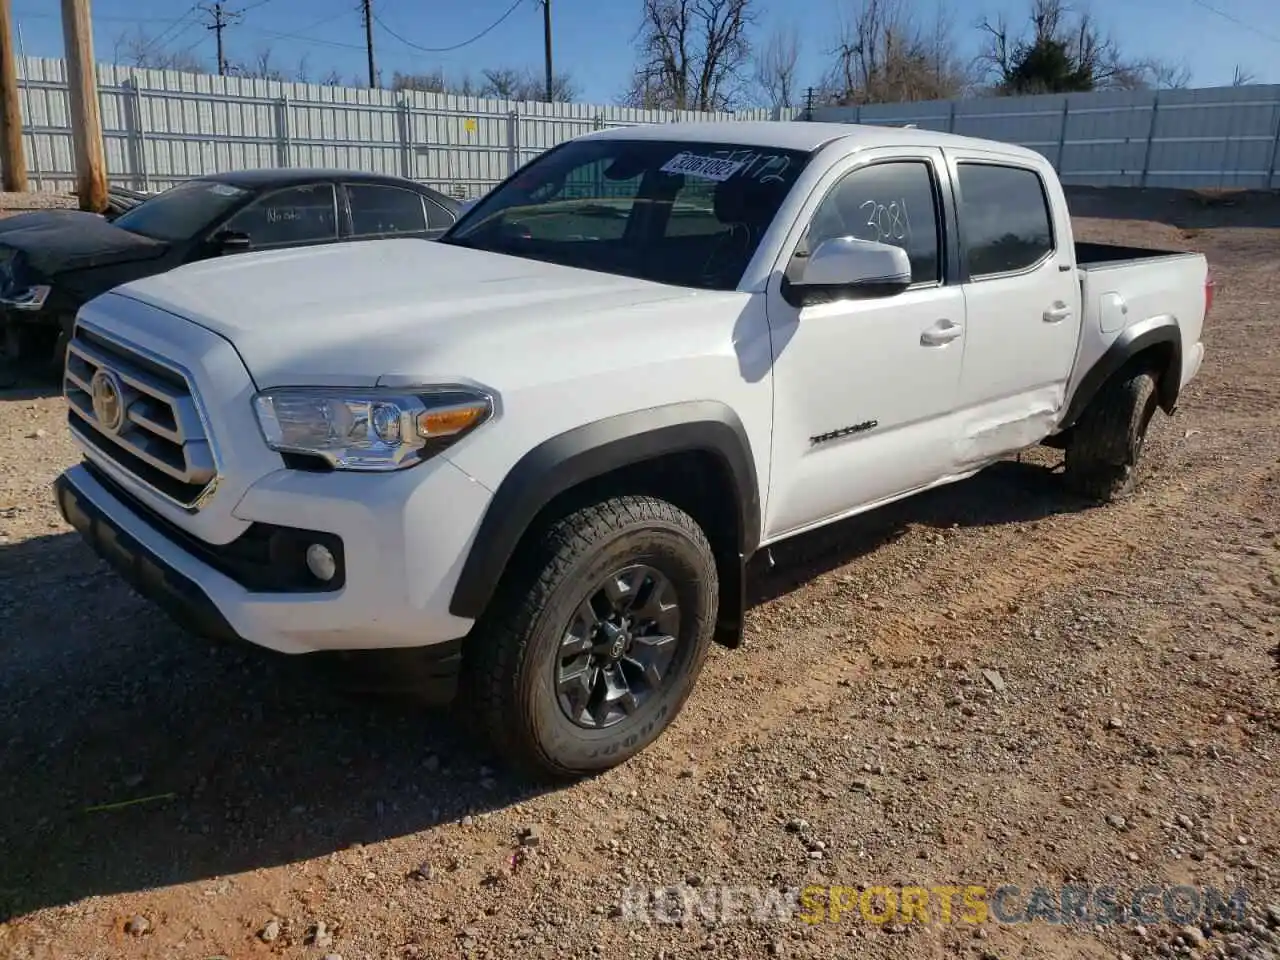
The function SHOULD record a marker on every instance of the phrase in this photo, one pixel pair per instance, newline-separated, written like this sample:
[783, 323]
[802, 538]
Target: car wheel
[1105, 447]
[597, 640]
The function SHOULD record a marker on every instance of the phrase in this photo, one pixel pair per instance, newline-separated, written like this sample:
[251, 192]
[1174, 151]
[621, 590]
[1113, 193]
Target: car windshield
[678, 212]
[182, 211]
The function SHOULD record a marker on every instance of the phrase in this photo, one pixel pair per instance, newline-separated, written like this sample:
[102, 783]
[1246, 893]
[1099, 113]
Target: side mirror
[230, 241]
[847, 267]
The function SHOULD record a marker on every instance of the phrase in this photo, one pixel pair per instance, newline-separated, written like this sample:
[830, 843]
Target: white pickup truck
[534, 457]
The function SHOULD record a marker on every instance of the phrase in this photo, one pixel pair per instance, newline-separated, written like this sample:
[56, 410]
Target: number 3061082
[889, 220]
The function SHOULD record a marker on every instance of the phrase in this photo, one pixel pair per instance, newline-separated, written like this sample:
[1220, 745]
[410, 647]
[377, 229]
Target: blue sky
[594, 39]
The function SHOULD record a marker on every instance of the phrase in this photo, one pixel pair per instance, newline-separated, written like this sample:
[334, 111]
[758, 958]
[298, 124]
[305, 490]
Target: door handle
[1057, 313]
[940, 334]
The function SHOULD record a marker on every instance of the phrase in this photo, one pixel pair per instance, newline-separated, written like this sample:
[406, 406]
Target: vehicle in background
[536, 456]
[54, 261]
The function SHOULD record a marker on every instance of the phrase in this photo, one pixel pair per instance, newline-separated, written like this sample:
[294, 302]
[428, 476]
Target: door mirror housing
[230, 241]
[849, 268]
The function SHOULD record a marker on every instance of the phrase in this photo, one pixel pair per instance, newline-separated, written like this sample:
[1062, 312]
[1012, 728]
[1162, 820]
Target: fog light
[321, 562]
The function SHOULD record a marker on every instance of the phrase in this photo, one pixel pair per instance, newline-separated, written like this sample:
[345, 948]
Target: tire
[519, 666]
[1105, 447]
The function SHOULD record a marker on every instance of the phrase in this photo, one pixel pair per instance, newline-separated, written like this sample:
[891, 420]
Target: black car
[53, 261]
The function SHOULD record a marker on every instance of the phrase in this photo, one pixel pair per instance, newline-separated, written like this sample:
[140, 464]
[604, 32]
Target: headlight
[31, 298]
[369, 429]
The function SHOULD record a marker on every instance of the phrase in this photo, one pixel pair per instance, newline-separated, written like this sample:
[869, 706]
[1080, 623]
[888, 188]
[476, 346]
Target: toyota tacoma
[537, 455]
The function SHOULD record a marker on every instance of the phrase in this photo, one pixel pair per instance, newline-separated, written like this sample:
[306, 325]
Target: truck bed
[1093, 255]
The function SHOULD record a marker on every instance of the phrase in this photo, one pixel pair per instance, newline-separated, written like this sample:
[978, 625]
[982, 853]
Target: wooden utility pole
[12, 157]
[86, 120]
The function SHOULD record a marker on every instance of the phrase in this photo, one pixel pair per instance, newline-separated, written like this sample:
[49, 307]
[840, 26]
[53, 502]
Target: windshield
[182, 211]
[677, 212]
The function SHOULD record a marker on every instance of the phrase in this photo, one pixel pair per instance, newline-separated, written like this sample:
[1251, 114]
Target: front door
[862, 387]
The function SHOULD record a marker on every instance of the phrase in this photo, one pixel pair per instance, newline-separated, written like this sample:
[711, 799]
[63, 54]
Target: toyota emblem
[108, 400]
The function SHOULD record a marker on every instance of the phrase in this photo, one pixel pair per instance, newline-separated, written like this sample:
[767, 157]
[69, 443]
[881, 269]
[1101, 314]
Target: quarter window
[891, 203]
[1005, 217]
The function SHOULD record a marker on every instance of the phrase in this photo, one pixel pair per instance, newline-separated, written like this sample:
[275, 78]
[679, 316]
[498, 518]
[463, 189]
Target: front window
[183, 211]
[677, 212]
[289, 217]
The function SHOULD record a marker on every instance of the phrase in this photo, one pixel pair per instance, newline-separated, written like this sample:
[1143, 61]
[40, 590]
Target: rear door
[1022, 301]
[381, 210]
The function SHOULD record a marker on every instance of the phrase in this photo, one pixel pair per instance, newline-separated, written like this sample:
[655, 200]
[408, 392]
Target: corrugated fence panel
[161, 127]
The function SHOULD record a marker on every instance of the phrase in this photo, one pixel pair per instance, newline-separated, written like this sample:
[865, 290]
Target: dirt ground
[989, 685]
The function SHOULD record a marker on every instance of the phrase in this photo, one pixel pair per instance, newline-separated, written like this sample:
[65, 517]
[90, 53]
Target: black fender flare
[584, 453]
[1133, 340]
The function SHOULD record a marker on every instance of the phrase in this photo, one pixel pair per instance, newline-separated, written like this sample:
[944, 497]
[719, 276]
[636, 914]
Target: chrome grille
[140, 413]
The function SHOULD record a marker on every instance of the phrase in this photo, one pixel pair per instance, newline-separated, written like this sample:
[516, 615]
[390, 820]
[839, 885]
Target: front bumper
[403, 544]
[142, 567]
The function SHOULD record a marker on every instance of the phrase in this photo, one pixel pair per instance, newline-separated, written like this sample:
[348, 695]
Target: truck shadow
[135, 756]
[1005, 492]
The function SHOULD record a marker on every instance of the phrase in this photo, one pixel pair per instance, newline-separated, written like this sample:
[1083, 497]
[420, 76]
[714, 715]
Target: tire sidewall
[690, 568]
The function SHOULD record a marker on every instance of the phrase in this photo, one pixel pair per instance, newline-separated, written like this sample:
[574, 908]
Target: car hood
[353, 313]
[51, 242]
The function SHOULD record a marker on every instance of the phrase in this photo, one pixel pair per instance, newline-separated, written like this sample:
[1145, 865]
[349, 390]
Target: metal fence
[161, 127]
[1216, 137]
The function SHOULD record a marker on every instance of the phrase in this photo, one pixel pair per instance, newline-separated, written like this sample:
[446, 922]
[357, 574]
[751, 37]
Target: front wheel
[597, 639]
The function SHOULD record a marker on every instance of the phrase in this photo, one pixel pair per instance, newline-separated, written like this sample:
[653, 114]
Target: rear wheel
[1105, 447]
[596, 642]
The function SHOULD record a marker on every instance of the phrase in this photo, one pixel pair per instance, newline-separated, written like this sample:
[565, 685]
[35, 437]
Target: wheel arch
[619, 453]
[1154, 344]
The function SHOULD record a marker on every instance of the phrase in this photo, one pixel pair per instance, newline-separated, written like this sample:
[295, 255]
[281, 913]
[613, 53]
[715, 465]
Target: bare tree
[1061, 51]
[1242, 77]
[505, 83]
[1168, 75]
[775, 67]
[885, 56]
[262, 67]
[141, 49]
[692, 54]
[433, 82]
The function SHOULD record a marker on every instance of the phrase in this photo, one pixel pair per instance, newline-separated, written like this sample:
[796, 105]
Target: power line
[279, 35]
[173, 32]
[1252, 28]
[282, 35]
[222, 18]
[31, 15]
[457, 46]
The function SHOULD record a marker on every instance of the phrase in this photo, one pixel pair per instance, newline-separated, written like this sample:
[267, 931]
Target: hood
[50, 242]
[351, 313]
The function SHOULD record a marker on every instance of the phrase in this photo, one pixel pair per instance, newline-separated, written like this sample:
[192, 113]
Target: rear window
[678, 212]
[378, 210]
[1006, 219]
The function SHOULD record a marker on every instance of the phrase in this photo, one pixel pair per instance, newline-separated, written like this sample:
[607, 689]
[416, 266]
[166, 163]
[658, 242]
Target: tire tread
[1100, 461]
[493, 661]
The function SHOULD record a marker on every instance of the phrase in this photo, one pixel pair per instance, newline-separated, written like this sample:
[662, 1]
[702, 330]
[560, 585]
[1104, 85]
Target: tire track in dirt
[974, 588]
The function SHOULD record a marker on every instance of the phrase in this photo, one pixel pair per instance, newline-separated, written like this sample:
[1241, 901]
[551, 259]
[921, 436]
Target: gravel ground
[987, 685]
